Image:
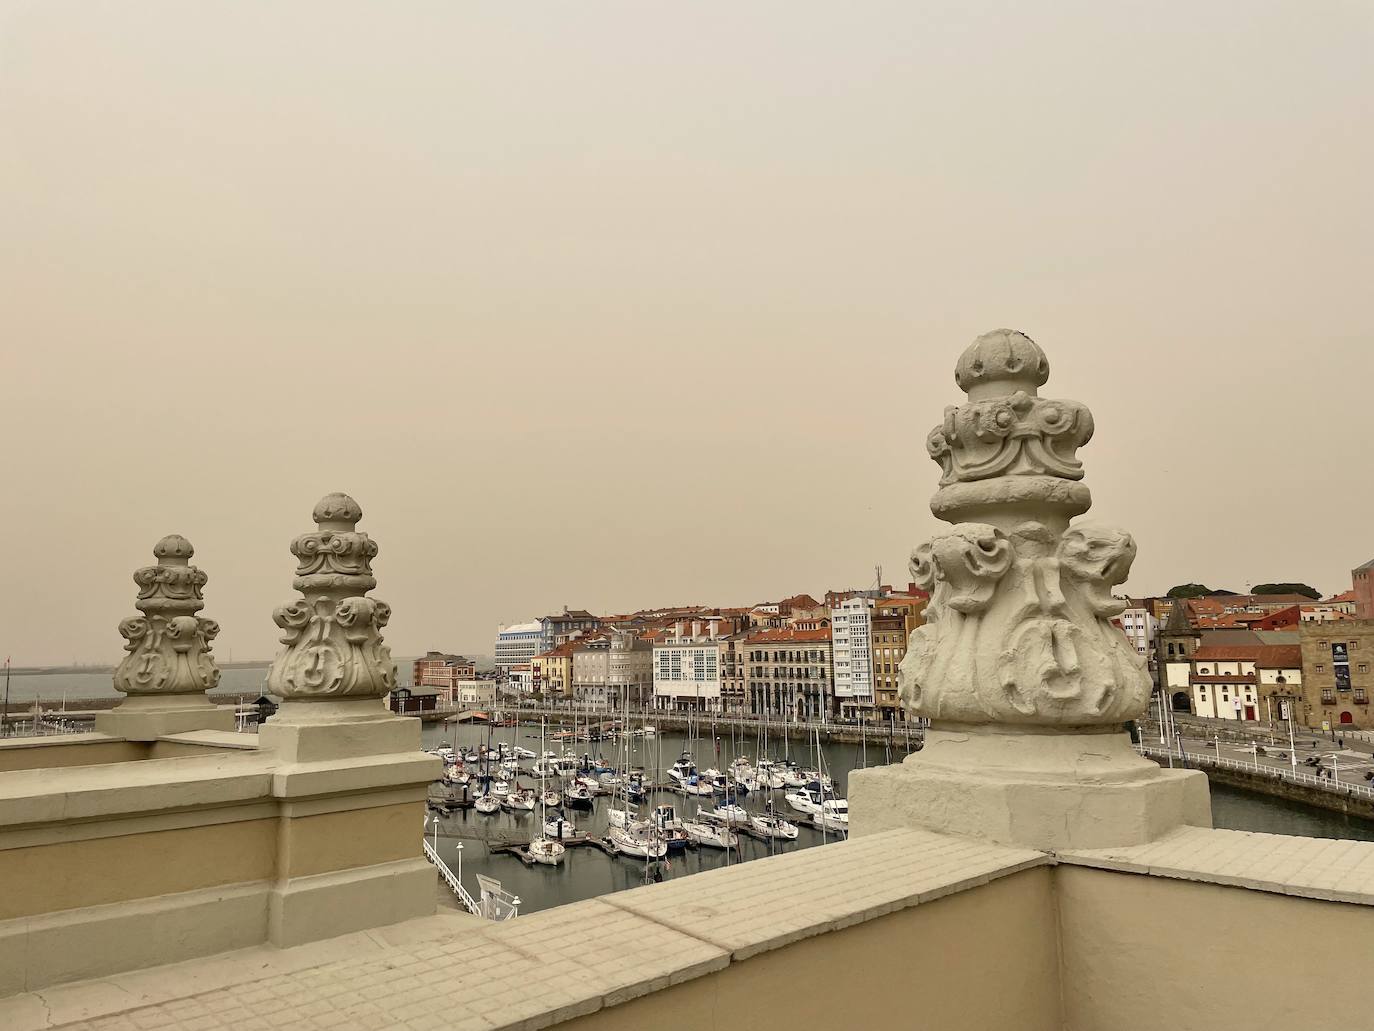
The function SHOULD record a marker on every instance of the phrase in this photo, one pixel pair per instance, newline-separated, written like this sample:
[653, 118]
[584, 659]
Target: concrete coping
[226, 739]
[89, 737]
[545, 967]
[1327, 869]
[53, 795]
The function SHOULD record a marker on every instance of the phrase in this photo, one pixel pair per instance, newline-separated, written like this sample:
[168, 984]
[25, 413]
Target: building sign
[1340, 665]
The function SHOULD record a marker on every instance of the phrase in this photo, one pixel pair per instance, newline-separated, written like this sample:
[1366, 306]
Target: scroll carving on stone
[333, 636]
[168, 646]
[1019, 628]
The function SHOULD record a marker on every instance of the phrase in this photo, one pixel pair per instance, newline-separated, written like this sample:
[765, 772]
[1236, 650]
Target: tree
[1305, 590]
[1195, 591]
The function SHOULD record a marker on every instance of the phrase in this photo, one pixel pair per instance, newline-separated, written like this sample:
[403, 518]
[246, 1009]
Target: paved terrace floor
[458, 973]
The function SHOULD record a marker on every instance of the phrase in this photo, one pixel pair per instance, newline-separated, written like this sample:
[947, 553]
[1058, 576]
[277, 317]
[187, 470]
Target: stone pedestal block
[147, 718]
[324, 731]
[1037, 789]
[306, 909]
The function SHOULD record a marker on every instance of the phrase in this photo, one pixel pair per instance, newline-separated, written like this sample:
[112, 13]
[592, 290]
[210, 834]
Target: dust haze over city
[618, 306]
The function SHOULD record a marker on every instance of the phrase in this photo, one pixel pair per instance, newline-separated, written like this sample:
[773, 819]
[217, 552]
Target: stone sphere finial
[337, 511]
[1000, 363]
[173, 550]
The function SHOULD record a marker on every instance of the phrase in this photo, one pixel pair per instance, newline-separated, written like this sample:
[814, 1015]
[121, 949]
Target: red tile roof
[788, 634]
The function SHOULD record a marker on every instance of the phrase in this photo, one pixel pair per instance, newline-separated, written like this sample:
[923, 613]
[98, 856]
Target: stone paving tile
[1319, 868]
[772, 902]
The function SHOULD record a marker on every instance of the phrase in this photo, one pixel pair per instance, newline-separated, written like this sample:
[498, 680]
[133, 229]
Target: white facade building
[851, 635]
[687, 672]
[475, 692]
[1140, 627]
[516, 645]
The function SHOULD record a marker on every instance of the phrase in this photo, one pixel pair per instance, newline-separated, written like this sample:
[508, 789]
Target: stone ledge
[120, 789]
[753, 908]
[540, 969]
[88, 737]
[1326, 869]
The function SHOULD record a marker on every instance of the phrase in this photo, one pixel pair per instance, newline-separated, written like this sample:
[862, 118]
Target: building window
[1364, 667]
[1360, 696]
[1321, 668]
[1328, 696]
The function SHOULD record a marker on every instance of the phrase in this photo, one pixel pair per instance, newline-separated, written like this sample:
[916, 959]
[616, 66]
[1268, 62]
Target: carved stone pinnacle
[333, 636]
[168, 646]
[1018, 629]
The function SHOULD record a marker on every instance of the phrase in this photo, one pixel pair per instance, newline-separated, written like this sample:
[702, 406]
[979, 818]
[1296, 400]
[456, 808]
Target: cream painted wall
[1143, 953]
[47, 753]
[981, 960]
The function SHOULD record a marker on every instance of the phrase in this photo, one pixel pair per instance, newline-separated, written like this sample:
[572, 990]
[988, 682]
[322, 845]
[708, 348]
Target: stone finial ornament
[168, 646]
[333, 636]
[1018, 629]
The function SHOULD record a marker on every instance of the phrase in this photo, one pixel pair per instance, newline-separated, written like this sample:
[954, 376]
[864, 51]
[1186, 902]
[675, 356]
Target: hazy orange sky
[628, 304]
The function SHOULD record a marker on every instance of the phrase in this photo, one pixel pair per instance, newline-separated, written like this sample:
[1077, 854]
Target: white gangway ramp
[497, 903]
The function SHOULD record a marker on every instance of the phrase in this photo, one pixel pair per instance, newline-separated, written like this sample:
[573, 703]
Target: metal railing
[451, 879]
[1338, 787]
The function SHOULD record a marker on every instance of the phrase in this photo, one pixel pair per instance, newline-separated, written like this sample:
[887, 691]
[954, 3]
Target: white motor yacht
[804, 801]
[833, 815]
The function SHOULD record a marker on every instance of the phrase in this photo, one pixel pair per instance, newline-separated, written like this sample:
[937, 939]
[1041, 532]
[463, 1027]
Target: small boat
[814, 778]
[524, 753]
[500, 788]
[665, 820]
[710, 834]
[804, 801]
[560, 829]
[638, 841]
[593, 785]
[577, 796]
[649, 732]
[552, 799]
[727, 813]
[619, 817]
[833, 816]
[546, 851]
[770, 825]
[487, 804]
[521, 799]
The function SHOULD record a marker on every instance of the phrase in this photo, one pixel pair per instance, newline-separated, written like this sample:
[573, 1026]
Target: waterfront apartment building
[894, 619]
[1336, 678]
[516, 645]
[558, 629]
[441, 670]
[551, 672]
[789, 673]
[689, 669]
[606, 671]
[851, 631]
